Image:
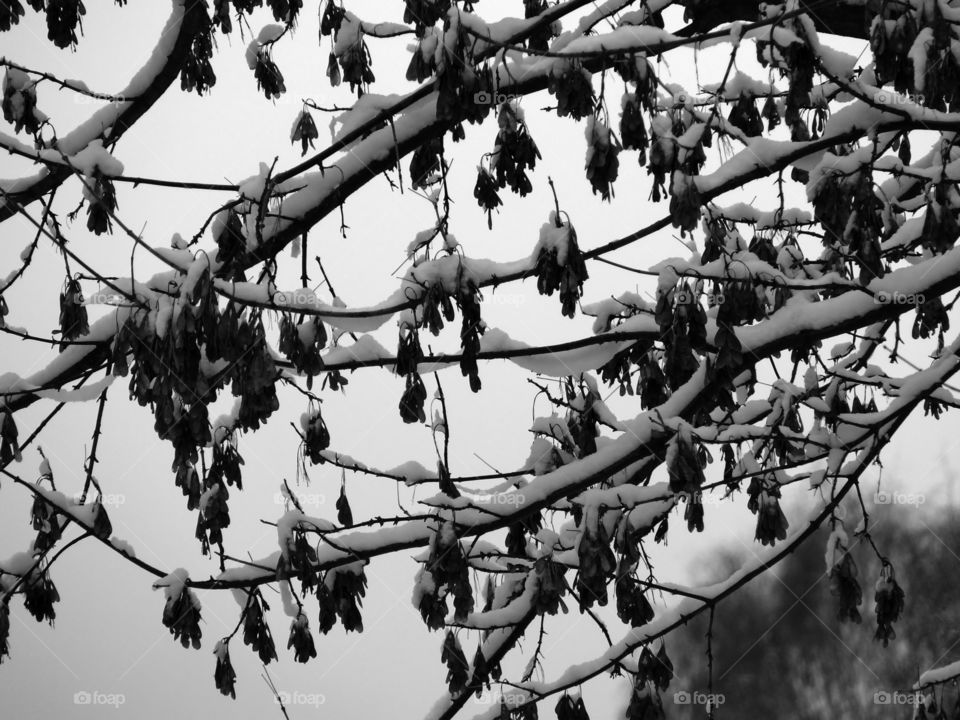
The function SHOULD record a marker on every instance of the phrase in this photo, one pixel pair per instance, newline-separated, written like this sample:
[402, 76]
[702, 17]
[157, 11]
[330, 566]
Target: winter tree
[741, 217]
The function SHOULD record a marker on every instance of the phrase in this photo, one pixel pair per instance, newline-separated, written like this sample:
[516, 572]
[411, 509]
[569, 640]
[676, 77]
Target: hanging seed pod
[765, 504]
[304, 131]
[693, 513]
[413, 399]
[341, 595]
[889, 598]
[102, 528]
[4, 629]
[481, 673]
[433, 608]
[301, 640]
[645, 703]
[73, 313]
[344, 513]
[9, 446]
[188, 480]
[409, 352]
[845, 588]
[63, 21]
[472, 327]
[197, 72]
[231, 245]
[684, 203]
[39, 596]
[485, 192]
[540, 39]
[447, 487]
[43, 519]
[550, 586]
[226, 464]
[101, 203]
[602, 165]
[903, 152]
[744, 115]
[328, 610]
[656, 669]
[181, 615]
[514, 152]
[422, 64]
[425, 163]
[221, 16]
[331, 18]
[286, 11]
[223, 674]
[569, 709]
[633, 132]
[316, 438]
[632, 604]
[940, 228]
[256, 632]
[770, 113]
[561, 267]
[457, 666]
[10, 14]
[596, 564]
[424, 13]
[357, 63]
[268, 76]
[573, 88]
[19, 102]
[333, 71]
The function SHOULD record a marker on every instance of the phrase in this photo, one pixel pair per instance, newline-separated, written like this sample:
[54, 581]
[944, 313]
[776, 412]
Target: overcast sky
[108, 637]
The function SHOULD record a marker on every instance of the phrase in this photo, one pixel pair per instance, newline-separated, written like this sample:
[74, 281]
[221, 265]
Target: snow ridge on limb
[380, 149]
[638, 442]
[778, 155]
[841, 18]
[94, 357]
[939, 372]
[143, 90]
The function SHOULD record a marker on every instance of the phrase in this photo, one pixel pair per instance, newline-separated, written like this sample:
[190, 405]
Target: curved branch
[145, 88]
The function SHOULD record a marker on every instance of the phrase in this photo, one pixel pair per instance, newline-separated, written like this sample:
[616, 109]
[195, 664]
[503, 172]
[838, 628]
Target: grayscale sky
[108, 637]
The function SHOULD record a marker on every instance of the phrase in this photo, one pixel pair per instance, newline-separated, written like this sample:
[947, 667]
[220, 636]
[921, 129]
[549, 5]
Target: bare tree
[757, 350]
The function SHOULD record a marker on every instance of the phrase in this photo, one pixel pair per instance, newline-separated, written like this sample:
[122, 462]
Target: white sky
[108, 636]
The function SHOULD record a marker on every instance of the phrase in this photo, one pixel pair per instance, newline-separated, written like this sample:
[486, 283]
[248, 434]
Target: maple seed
[223, 674]
[889, 598]
[181, 615]
[304, 131]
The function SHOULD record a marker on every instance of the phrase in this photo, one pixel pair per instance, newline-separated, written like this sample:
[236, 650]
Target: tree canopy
[799, 202]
